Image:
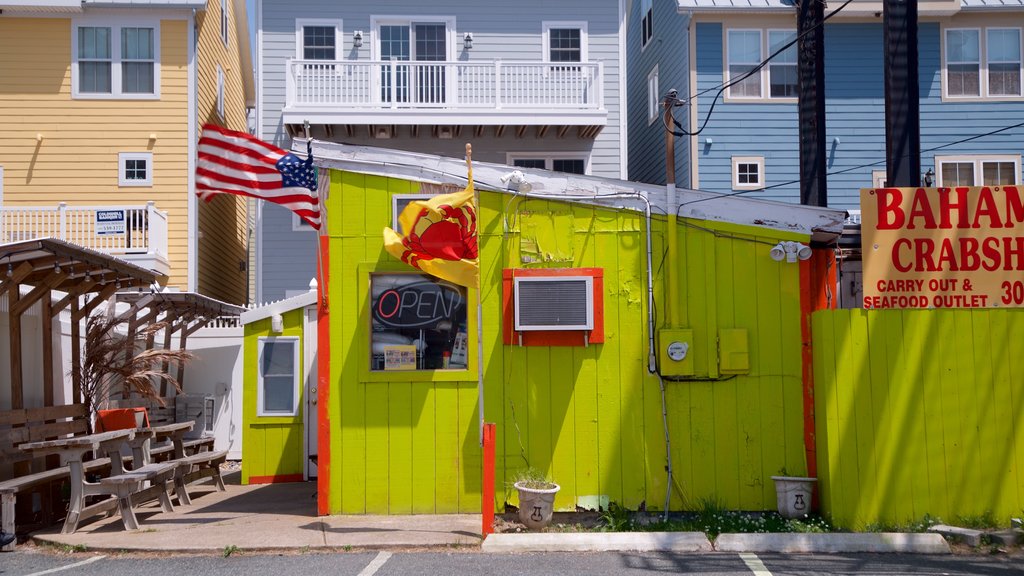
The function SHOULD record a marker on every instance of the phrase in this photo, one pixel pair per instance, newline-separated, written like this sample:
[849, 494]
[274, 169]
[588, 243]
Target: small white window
[879, 178]
[558, 162]
[317, 39]
[300, 225]
[278, 390]
[996, 170]
[653, 96]
[565, 41]
[963, 62]
[220, 92]
[647, 22]
[224, 21]
[135, 169]
[747, 172]
[399, 203]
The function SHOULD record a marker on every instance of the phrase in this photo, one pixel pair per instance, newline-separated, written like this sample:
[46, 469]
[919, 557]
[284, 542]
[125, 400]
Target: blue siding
[669, 49]
[855, 110]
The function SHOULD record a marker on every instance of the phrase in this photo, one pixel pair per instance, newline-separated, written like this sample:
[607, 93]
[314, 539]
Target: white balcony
[136, 233]
[480, 93]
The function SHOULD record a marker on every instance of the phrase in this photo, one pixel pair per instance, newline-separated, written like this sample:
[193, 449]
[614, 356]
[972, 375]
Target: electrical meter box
[675, 352]
[733, 351]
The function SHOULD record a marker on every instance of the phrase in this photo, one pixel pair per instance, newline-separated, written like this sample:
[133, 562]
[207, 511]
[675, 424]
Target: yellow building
[101, 105]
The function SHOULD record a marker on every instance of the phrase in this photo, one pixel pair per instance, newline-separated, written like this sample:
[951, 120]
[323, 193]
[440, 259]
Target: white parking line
[69, 566]
[375, 564]
[755, 564]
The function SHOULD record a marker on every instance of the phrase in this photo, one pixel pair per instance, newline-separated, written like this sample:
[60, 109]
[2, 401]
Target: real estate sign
[943, 247]
[110, 222]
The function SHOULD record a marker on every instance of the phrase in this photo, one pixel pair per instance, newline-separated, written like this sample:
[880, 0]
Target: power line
[672, 101]
[860, 167]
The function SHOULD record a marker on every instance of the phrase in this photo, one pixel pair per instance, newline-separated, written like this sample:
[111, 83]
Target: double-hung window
[982, 62]
[278, 392]
[996, 170]
[115, 61]
[317, 40]
[747, 49]
[565, 42]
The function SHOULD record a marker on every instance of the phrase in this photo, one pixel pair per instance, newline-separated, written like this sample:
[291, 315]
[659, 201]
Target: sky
[250, 9]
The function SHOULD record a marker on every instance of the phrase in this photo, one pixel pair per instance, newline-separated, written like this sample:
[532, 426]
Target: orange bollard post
[487, 491]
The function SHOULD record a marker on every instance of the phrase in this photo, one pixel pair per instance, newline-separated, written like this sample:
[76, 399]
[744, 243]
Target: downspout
[192, 206]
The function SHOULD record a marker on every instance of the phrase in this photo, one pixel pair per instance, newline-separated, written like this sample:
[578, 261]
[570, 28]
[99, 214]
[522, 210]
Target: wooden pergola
[180, 312]
[49, 265]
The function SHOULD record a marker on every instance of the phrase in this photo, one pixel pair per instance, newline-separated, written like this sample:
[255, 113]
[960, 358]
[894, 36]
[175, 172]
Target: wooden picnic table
[72, 450]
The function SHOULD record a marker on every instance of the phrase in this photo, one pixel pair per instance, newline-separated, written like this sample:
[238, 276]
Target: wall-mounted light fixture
[791, 251]
[467, 40]
[929, 178]
[277, 324]
[357, 38]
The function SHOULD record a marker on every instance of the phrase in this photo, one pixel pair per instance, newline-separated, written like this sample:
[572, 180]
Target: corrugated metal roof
[992, 4]
[147, 3]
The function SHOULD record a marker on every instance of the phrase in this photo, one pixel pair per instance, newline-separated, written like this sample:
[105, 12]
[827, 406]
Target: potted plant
[536, 499]
[793, 494]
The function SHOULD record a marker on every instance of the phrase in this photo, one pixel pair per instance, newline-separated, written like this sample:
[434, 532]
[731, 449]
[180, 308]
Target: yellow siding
[918, 412]
[222, 221]
[76, 161]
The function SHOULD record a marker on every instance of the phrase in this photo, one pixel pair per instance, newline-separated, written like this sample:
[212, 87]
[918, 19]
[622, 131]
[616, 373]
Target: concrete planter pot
[536, 504]
[793, 495]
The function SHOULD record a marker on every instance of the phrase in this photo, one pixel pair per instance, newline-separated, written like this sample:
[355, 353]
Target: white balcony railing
[116, 230]
[402, 84]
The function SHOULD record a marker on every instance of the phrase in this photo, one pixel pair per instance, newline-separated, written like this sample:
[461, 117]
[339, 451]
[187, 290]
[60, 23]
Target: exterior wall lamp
[929, 178]
[357, 39]
[467, 40]
[791, 251]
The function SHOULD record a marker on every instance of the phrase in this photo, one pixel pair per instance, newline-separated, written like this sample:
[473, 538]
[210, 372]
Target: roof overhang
[70, 268]
[44, 6]
[180, 304]
[822, 225]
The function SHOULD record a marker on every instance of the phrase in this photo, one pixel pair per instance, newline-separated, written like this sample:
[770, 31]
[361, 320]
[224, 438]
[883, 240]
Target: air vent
[554, 303]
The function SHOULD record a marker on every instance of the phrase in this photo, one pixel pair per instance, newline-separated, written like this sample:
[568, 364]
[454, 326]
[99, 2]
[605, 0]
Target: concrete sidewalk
[270, 517]
[282, 517]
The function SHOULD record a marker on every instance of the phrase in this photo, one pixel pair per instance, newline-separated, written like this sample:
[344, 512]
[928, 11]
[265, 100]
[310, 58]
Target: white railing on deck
[134, 230]
[493, 84]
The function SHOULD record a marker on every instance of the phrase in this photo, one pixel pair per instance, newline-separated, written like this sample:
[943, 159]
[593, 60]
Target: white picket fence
[124, 229]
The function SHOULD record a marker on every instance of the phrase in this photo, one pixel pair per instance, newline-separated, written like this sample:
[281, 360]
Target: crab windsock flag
[440, 236]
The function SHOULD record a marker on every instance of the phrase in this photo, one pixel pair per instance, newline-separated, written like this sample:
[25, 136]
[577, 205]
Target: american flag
[236, 163]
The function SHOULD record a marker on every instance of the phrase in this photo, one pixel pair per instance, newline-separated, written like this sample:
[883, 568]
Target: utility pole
[811, 94]
[902, 94]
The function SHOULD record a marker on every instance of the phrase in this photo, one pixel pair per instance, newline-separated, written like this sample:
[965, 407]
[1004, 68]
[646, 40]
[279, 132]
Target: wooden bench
[128, 486]
[22, 473]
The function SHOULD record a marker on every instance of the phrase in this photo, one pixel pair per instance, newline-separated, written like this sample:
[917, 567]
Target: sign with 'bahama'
[943, 247]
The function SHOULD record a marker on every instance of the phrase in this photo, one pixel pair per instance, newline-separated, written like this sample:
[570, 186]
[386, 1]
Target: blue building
[970, 56]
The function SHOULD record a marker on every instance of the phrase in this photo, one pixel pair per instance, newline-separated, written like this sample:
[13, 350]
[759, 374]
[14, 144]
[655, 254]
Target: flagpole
[479, 302]
[323, 220]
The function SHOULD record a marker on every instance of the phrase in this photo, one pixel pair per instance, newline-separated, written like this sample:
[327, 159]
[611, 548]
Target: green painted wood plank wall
[588, 417]
[919, 412]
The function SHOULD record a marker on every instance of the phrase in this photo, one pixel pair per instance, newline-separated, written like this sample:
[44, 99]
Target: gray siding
[288, 257]
[669, 50]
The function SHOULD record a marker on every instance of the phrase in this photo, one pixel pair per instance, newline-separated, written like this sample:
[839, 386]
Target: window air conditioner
[554, 303]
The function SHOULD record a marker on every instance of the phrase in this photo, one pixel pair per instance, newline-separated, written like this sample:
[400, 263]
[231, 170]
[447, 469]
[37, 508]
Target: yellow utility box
[733, 351]
[675, 352]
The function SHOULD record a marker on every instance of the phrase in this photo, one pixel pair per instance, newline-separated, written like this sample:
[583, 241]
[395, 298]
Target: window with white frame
[653, 96]
[565, 41]
[278, 390]
[220, 92]
[747, 172]
[135, 169]
[746, 49]
[317, 39]
[879, 178]
[115, 61]
[996, 170]
[224, 21]
[413, 39]
[647, 22]
[568, 163]
[982, 62]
